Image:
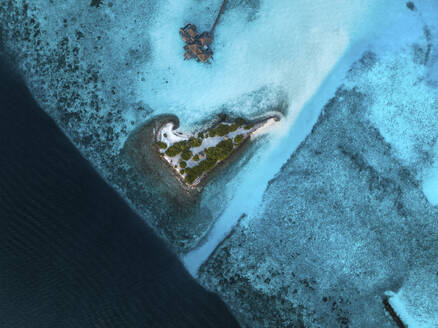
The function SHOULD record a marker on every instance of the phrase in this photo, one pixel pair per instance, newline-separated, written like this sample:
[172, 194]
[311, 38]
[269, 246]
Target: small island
[193, 156]
[211, 153]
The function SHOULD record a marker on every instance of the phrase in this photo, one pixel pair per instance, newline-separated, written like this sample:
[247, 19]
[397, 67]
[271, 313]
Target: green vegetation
[223, 117]
[223, 129]
[165, 135]
[184, 148]
[239, 121]
[207, 164]
[222, 150]
[177, 148]
[161, 144]
[191, 175]
[233, 127]
[238, 139]
[214, 154]
[186, 154]
[195, 142]
[196, 171]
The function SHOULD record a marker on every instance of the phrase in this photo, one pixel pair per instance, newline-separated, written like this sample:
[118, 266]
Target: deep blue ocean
[72, 253]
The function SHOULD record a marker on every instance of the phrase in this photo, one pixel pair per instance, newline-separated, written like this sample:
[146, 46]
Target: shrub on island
[222, 129]
[186, 154]
[239, 121]
[172, 151]
[214, 154]
[195, 142]
[190, 176]
[161, 145]
[207, 164]
[176, 148]
[238, 139]
[195, 172]
[233, 127]
[222, 150]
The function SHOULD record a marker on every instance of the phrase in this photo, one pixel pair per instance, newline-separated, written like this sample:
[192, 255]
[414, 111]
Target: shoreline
[181, 216]
[143, 155]
[260, 125]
